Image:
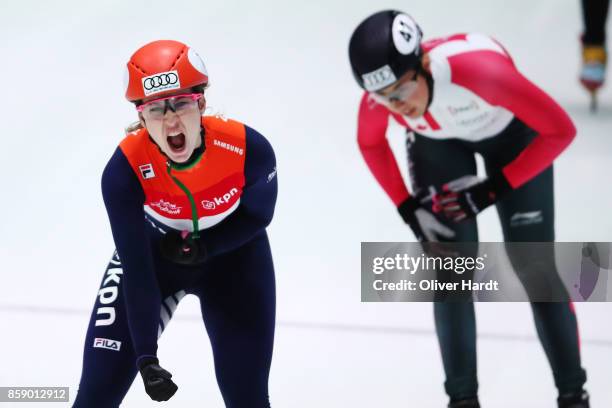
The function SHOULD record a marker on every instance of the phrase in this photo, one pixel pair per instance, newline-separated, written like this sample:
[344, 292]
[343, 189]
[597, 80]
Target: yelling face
[173, 122]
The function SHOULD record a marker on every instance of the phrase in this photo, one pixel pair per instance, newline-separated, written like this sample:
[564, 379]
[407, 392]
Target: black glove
[423, 223]
[466, 196]
[182, 248]
[157, 381]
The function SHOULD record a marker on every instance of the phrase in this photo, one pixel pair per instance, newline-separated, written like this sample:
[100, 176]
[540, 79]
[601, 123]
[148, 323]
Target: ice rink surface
[282, 68]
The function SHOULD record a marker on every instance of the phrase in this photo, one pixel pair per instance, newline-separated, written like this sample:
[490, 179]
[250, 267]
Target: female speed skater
[188, 198]
[458, 96]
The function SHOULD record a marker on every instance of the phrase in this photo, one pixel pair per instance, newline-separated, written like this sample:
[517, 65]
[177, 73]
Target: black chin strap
[430, 87]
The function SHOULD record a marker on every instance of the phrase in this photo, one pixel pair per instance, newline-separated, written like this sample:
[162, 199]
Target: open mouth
[176, 142]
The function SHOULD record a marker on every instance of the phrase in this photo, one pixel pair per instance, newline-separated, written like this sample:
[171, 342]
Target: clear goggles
[179, 104]
[401, 93]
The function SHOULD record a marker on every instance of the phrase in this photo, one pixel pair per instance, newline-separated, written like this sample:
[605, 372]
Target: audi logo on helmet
[160, 82]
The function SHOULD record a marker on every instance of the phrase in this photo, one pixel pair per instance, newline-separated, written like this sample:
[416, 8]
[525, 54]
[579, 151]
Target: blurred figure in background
[594, 54]
[459, 96]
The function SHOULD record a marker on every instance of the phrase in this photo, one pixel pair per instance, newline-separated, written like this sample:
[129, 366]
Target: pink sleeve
[493, 77]
[372, 139]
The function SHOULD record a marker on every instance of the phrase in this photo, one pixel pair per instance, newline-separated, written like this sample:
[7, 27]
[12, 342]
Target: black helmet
[384, 47]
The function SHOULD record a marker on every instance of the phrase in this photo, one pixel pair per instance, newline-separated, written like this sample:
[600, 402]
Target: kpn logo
[217, 201]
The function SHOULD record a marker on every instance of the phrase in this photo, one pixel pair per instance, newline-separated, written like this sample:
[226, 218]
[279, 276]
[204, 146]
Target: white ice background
[282, 68]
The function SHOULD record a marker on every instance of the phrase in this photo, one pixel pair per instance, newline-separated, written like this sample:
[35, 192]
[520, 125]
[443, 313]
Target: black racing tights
[435, 162]
[595, 14]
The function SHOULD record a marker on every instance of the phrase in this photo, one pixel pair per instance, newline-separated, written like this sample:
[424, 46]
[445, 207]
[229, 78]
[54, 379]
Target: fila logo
[224, 199]
[108, 344]
[147, 171]
[229, 147]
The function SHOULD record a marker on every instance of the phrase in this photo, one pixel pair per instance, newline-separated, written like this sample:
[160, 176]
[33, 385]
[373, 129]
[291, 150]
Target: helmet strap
[430, 87]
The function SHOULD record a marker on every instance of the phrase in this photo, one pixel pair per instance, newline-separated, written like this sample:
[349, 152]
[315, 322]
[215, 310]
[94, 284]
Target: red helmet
[161, 67]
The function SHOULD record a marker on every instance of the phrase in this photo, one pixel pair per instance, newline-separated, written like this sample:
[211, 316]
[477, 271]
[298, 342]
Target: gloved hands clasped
[157, 381]
[467, 196]
[182, 248]
[459, 199]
